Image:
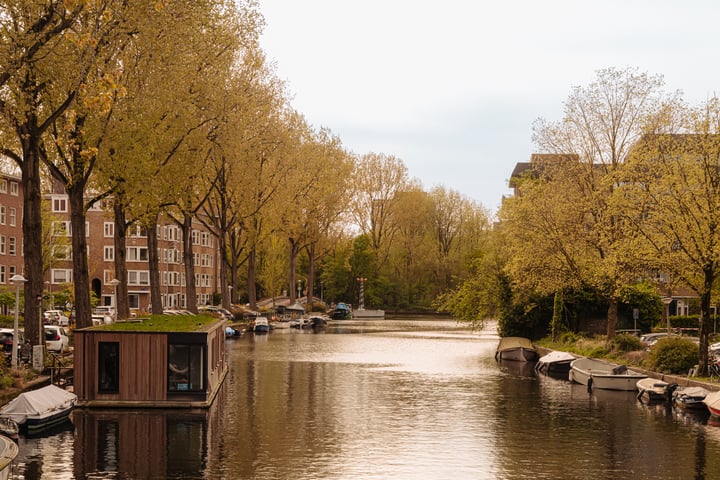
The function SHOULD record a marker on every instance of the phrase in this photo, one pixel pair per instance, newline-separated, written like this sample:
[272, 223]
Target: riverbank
[682, 380]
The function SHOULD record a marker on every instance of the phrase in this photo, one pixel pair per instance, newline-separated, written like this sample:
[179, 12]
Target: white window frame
[109, 253]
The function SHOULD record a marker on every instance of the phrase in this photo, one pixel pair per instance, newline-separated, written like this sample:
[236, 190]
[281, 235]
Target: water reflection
[384, 399]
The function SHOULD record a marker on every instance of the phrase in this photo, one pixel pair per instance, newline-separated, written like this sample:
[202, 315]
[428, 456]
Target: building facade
[100, 233]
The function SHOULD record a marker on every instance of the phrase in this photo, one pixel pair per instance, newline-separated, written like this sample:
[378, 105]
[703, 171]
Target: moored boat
[261, 325]
[341, 312]
[654, 390]
[317, 321]
[555, 363]
[519, 349]
[691, 398]
[39, 409]
[595, 373]
[712, 402]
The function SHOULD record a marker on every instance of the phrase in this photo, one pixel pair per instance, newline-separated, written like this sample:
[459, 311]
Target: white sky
[452, 88]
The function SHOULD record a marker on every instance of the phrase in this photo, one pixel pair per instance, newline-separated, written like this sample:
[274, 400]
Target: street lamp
[115, 282]
[230, 287]
[18, 280]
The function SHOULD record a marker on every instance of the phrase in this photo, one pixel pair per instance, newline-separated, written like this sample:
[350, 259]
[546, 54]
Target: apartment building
[11, 237]
[100, 233]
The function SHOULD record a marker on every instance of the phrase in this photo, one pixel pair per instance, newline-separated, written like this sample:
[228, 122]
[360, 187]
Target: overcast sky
[452, 88]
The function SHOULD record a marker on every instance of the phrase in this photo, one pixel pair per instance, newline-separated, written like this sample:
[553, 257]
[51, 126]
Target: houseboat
[158, 362]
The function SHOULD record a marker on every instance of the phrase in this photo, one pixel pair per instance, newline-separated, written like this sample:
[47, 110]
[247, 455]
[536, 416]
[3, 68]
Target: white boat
[519, 349]
[39, 409]
[597, 373]
[555, 363]
[261, 325]
[712, 402]
[8, 451]
[654, 390]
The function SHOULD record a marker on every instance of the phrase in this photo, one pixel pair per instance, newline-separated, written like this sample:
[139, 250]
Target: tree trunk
[81, 277]
[190, 290]
[121, 301]
[251, 288]
[612, 316]
[310, 250]
[154, 266]
[704, 323]
[32, 234]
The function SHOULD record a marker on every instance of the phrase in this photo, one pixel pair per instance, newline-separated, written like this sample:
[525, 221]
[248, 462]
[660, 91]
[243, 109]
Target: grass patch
[161, 323]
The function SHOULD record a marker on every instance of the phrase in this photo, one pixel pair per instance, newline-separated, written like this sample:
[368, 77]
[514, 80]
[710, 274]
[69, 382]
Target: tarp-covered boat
[341, 312]
[39, 409]
[519, 349]
[555, 363]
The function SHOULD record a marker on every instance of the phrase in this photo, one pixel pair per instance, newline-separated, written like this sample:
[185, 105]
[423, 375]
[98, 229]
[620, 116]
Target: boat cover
[42, 401]
[556, 356]
[712, 400]
[507, 343]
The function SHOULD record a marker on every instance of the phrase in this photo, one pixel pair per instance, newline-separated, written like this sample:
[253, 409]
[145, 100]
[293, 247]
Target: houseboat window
[186, 365]
[108, 367]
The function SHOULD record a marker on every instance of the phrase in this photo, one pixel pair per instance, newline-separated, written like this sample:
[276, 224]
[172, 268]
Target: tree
[50, 51]
[377, 179]
[670, 193]
[601, 123]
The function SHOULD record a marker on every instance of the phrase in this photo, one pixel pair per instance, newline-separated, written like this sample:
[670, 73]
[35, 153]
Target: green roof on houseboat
[160, 323]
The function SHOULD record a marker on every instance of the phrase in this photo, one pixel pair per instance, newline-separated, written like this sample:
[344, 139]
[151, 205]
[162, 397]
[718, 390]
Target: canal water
[383, 399]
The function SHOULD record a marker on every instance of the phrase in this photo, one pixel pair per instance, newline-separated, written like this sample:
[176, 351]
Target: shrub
[673, 355]
[626, 342]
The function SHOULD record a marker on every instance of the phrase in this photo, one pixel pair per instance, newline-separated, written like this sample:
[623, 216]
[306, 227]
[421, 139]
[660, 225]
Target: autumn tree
[377, 180]
[601, 124]
[670, 193]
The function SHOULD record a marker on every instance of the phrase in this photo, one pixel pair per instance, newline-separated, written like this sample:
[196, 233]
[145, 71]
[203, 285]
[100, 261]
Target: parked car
[56, 317]
[6, 340]
[103, 314]
[56, 339]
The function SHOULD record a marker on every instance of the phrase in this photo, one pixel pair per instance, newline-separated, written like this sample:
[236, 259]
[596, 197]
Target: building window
[3, 186]
[109, 253]
[3, 215]
[186, 368]
[59, 204]
[62, 252]
[138, 277]
[108, 367]
[13, 216]
[3, 244]
[14, 188]
[134, 300]
[61, 275]
[11, 271]
[11, 246]
[3, 276]
[61, 229]
[137, 254]
[109, 229]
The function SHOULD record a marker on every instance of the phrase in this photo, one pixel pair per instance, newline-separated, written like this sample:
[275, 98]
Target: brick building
[100, 232]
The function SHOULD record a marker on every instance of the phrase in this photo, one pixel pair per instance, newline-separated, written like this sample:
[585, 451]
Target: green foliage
[673, 355]
[646, 299]
[626, 342]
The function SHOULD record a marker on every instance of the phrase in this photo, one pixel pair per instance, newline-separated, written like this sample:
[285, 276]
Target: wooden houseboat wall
[149, 369]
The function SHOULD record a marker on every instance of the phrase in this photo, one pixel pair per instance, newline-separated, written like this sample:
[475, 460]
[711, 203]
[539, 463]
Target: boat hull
[517, 349]
[519, 354]
[712, 402]
[604, 375]
[555, 363]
